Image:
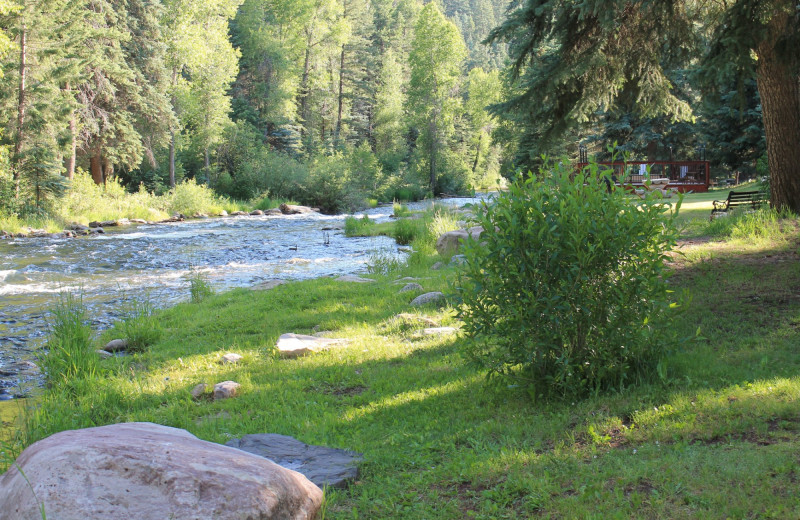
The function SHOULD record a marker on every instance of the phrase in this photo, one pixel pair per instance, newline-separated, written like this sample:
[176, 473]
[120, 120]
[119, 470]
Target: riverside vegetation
[713, 434]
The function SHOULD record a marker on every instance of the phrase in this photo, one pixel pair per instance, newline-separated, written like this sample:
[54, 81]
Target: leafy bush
[567, 290]
[406, 230]
[191, 198]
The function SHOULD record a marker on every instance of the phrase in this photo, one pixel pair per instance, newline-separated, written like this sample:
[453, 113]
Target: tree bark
[23, 49]
[96, 168]
[779, 88]
[172, 134]
[341, 100]
[304, 90]
[477, 152]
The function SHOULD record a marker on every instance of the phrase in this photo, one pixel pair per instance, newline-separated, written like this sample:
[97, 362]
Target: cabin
[684, 176]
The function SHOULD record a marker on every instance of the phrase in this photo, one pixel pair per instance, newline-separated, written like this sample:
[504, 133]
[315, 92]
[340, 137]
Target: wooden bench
[753, 199]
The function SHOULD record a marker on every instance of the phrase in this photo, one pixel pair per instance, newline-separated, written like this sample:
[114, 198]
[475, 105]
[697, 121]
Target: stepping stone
[296, 345]
[115, 345]
[321, 465]
[439, 331]
[353, 278]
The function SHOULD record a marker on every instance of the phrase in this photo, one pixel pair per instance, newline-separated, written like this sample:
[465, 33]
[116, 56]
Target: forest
[335, 103]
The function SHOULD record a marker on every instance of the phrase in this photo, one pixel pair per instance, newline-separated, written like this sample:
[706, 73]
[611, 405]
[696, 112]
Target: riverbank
[716, 438]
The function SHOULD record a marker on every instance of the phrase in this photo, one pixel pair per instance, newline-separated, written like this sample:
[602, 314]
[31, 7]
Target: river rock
[230, 359]
[199, 215]
[353, 278]
[296, 345]
[411, 287]
[291, 209]
[428, 298]
[104, 354]
[437, 266]
[199, 390]
[256, 212]
[138, 221]
[321, 465]
[143, 471]
[448, 243]
[239, 214]
[223, 213]
[226, 390]
[97, 231]
[77, 227]
[274, 212]
[115, 345]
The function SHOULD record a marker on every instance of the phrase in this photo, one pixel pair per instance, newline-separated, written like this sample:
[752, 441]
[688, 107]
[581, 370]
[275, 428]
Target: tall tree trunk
[477, 152]
[172, 134]
[73, 146]
[433, 129]
[23, 49]
[779, 88]
[304, 90]
[341, 99]
[108, 170]
[207, 164]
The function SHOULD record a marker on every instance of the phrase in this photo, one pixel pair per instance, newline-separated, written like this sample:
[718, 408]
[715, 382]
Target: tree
[436, 55]
[571, 60]
[484, 90]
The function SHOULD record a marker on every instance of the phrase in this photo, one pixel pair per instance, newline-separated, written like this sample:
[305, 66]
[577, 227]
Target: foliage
[69, 343]
[566, 291]
[759, 226]
[407, 229]
[400, 210]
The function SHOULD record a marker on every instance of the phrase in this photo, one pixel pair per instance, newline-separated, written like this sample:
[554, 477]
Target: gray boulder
[290, 209]
[226, 390]
[144, 471]
[428, 298]
[411, 287]
[115, 345]
[321, 465]
[449, 243]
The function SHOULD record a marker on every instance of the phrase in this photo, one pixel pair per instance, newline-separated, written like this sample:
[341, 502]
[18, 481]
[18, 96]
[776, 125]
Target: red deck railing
[683, 175]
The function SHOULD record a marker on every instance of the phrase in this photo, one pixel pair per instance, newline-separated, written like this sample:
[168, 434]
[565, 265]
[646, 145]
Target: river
[154, 262]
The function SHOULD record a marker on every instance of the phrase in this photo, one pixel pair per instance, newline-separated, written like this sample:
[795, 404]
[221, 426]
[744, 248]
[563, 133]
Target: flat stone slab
[353, 278]
[439, 331]
[411, 287]
[321, 465]
[296, 345]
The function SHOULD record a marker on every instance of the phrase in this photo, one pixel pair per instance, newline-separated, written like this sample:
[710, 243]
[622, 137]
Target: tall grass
[69, 343]
[140, 326]
[354, 226]
[762, 225]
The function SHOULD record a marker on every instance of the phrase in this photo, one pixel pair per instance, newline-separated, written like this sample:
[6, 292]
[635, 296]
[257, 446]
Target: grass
[718, 438]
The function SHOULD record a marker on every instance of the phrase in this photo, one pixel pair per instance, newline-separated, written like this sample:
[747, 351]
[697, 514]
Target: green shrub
[406, 230]
[567, 292]
[69, 343]
[354, 226]
[191, 198]
[400, 210]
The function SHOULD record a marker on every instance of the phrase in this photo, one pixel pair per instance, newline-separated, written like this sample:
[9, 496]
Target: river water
[154, 262]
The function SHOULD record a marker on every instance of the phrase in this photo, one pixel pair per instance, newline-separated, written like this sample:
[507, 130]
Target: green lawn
[718, 438]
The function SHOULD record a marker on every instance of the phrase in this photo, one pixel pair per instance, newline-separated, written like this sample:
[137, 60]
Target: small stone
[223, 213]
[274, 212]
[256, 213]
[115, 345]
[428, 298]
[198, 391]
[239, 214]
[411, 287]
[138, 221]
[230, 359]
[226, 390]
[104, 354]
[437, 266]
